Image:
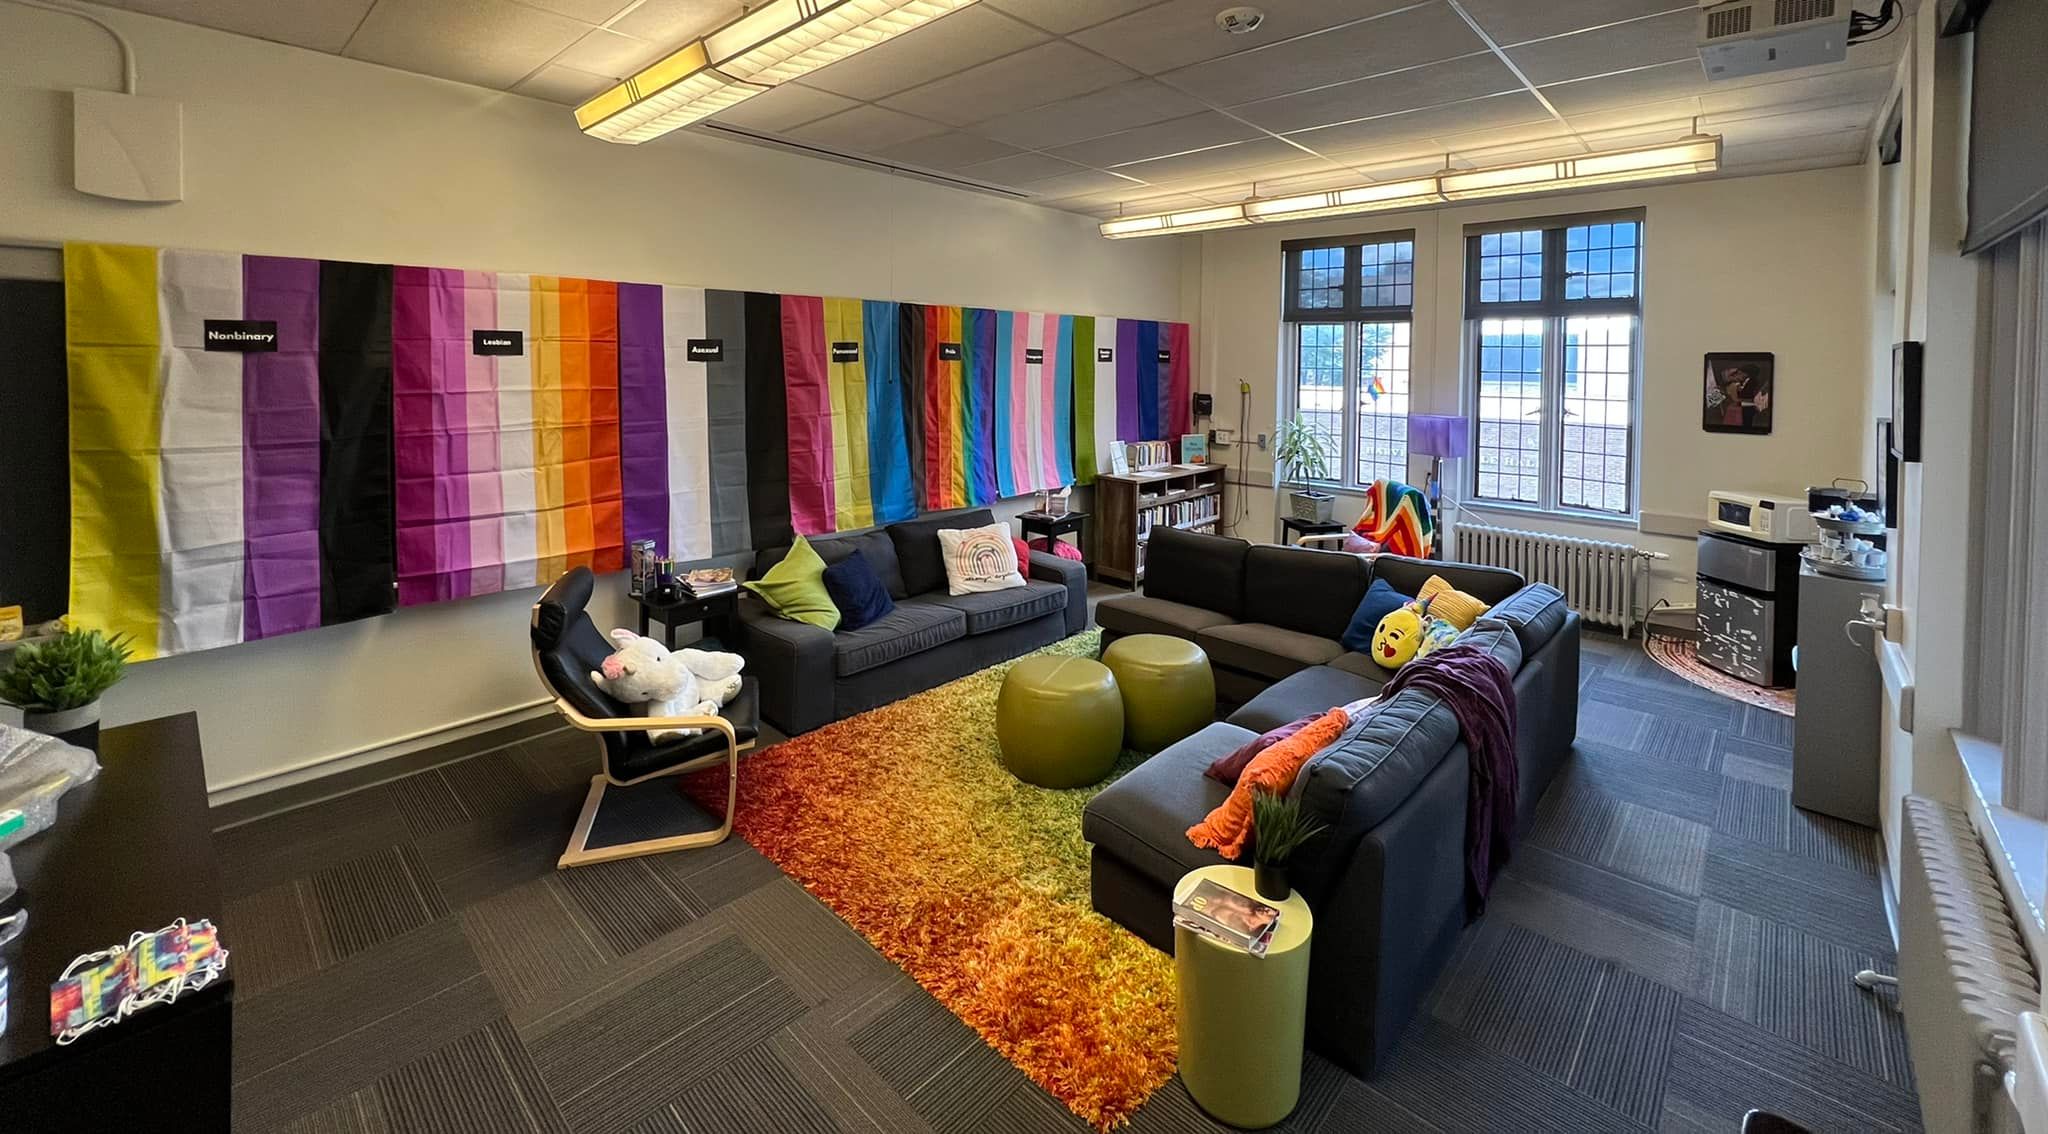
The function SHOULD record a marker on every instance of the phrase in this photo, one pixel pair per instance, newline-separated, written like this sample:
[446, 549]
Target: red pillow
[1023, 555]
[1060, 547]
[1228, 768]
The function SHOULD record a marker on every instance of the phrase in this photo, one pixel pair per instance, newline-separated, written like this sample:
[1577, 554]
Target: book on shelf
[1220, 913]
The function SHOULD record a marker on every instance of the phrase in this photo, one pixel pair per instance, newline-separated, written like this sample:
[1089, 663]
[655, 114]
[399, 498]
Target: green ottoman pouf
[1168, 690]
[1060, 721]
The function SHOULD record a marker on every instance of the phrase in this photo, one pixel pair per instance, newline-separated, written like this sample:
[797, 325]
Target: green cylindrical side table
[1242, 1018]
[1168, 689]
[1060, 721]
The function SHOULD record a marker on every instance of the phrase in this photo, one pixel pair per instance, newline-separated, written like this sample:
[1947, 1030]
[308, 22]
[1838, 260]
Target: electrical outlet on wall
[1262, 441]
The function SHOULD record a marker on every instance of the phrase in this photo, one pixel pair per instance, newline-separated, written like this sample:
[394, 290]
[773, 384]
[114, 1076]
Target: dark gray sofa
[1387, 883]
[811, 677]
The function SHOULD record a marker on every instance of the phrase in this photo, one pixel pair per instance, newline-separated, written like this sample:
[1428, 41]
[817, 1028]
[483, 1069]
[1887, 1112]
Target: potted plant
[56, 683]
[1278, 830]
[1304, 455]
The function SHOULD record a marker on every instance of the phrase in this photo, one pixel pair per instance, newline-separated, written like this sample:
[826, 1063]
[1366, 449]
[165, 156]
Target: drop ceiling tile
[675, 22]
[1063, 16]
[1180, 32]
[1668, 38]
[1397, 134]
[787, 106]
[589, 11]
[1680, 111]
[1610, 92]
[951, 43]
[864, 129]
[1181, 135]
[1868, 83]
[565, 85]
[322, 25]
[1086, 181]
[1434, 85]
[609, 53]
[1408, 38]
[491, 43]
[949, 150]
[1211, 165]
[1510, 22]
[1020, 169]
[1033, 77]
[1121, 107]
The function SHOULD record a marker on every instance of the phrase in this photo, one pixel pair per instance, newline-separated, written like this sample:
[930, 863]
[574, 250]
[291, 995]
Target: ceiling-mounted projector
[1755, 37]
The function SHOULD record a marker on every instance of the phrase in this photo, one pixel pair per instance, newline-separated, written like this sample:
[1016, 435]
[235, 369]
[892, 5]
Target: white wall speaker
[128, 147]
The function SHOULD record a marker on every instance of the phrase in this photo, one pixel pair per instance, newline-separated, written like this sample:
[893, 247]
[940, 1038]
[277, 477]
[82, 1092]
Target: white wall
[1775, 263]
[291, 152]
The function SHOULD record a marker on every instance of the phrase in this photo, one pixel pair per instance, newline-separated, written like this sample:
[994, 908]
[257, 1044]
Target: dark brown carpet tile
[628, 901]
[1613, 892]
[1360, 1106]
[1574, 818]
[1580, 821]
[718, 874]
[356, 1113]
[1836, 842]
[1626, 1052]
[277, 849]
[1756, 762]
[859, 1100]
[819, 956]
[1458, 1083]
[1661, 956]
[1667, 700]
[483, 1083]
[366, 901]
[752, 1091]
[911, 1043]
[1687, 743]
[1721, 1067]
[531, 940]
[1767, 726]
[959, 1096]
[1831, 902]
[551, 1009]
[271, 937]
[302, 1046]
[1688, 793]
[1755, 812]
[623, 1058]
[563, 760]
[1023, 1108]
[426, 802]
[1171, 1110]
[1606, 722]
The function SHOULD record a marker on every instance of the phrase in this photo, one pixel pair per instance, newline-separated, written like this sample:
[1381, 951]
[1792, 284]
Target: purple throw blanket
[1481, 694]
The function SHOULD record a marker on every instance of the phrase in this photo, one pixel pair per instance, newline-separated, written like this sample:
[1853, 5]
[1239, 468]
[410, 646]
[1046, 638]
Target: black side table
[1051, 526]
[1293, 528]
[717, 612]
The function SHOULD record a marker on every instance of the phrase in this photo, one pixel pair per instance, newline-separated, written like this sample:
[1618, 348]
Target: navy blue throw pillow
[857, 591]
[1379, 601]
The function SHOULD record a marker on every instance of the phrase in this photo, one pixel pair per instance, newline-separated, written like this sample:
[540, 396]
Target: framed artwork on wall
[1737, 392]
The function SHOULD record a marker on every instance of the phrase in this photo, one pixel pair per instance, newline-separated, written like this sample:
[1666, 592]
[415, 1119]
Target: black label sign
[846, 352]
[949, 352]
[704, 350]
[1165, 356]
[1034, 357]
[497, 342]
[1105, 354]
[244, 336]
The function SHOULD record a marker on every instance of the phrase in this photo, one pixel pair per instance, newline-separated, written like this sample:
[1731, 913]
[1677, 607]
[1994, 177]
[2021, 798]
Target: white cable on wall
[127, 50]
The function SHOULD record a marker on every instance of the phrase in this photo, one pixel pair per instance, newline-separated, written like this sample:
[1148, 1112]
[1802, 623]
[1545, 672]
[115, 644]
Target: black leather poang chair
[566, 648]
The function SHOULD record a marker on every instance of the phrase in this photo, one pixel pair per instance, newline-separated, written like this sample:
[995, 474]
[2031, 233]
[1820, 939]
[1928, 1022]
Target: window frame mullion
[1348, 473]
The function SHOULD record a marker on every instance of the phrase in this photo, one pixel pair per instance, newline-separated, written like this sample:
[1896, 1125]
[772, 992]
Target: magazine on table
[706, 581]
[1222, 914]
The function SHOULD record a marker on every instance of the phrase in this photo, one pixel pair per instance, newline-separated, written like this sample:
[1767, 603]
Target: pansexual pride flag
[220, 496]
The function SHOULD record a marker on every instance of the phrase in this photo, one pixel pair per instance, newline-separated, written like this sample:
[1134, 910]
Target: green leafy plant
[1279, 828]
[67, 671]
[1304, 451]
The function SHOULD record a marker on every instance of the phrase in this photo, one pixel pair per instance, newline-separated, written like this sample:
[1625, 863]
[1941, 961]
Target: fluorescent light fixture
[1188, 220]
[1339, 202]
[776, 42]
[1683, 158]
[1698, 153]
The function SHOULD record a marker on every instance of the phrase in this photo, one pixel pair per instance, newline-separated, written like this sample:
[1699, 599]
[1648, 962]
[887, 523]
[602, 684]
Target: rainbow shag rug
[904, 822]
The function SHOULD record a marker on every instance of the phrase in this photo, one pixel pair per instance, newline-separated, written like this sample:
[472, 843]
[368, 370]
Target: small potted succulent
[1278, 830]
[57, 682]
[1304, 453]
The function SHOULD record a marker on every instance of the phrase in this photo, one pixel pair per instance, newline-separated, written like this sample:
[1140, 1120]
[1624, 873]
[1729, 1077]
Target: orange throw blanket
[1273, 771]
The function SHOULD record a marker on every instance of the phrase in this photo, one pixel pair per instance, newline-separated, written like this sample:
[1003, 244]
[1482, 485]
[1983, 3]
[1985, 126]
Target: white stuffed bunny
[644, 673]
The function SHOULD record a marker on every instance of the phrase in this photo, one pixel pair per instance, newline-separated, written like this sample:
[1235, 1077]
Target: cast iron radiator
[1603, 581]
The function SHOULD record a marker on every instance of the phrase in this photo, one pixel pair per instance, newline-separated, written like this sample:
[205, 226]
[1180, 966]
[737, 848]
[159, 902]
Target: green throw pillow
[795, 588]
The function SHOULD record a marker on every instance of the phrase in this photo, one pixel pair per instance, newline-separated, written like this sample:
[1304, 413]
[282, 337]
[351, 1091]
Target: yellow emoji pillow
[1398, 637]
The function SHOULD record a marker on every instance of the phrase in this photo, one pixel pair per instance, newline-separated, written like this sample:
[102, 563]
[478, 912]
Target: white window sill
[1556, 515]
[2018, 844]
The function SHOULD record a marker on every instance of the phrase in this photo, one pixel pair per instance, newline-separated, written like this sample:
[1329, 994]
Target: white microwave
[1780, 519]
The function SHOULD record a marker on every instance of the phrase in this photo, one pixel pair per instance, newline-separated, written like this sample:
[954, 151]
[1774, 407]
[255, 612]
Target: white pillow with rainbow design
[979, 559]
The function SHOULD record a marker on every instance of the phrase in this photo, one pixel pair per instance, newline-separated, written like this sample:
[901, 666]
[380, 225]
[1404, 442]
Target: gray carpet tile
[1670, 946]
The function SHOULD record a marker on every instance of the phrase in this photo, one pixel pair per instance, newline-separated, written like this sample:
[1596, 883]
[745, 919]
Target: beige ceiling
[1140, 105]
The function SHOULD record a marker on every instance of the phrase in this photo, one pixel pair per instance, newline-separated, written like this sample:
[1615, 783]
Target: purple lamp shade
[1439, 435]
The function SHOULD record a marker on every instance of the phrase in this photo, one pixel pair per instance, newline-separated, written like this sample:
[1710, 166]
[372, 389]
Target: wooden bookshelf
[1129, 507]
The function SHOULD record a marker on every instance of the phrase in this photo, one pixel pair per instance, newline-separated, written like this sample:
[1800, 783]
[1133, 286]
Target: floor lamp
[1438, 437]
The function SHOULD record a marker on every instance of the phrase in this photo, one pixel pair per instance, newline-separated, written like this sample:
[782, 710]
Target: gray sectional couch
[1387, 883]
[811, 677]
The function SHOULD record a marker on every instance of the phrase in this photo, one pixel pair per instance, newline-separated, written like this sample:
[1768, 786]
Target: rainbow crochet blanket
[1397, 518]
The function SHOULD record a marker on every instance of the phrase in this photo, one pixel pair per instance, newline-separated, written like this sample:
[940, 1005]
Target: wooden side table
[717, 613]
[1293, 528]
[1243, 1018]
[1051, 526]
